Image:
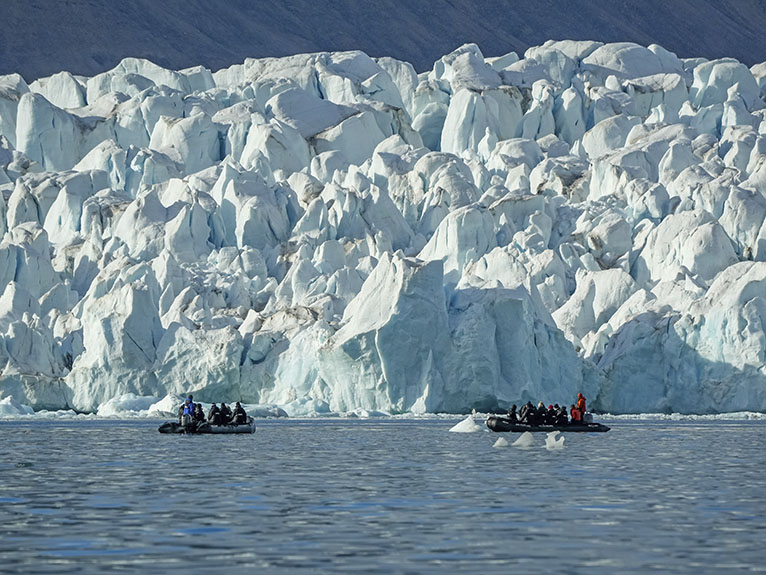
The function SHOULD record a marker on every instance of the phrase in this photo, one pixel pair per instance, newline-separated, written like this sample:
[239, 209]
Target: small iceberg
[128, 404]
[501, 442]
[552, 443]
[165, 407]
[365, 413]
[9, 407]
[468, 425]
[526, 439]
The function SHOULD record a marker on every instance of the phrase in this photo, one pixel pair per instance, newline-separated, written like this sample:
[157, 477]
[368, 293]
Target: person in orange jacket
[581, 403]
[575, 414]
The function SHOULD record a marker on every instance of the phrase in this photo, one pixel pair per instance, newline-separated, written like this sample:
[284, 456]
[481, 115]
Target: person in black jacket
[214, 415]
[239, 417]
[526, 413]
[542, 413]
[225, 414]
[199, 415]
[550, 416]
[512, 414]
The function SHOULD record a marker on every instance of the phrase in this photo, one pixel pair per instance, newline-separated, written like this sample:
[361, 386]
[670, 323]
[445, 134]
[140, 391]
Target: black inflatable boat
[501, 424]
[175, 427]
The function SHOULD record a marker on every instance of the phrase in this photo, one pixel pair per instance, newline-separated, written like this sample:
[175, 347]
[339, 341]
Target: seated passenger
[550, 416]
[225, 414]
[561, 415]
[541, 413]
[575, 414]
[512, 414]
[214, 415]
[199, 415]
[239, 417]
[525, 413]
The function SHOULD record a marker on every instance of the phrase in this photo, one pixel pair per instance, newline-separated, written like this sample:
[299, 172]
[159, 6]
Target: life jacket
[523, 413]
[189, 408]
[576, 415]
[581, 404]
[239, 415]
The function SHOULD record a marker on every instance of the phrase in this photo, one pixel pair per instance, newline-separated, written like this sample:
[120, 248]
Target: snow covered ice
[468, 425]
[526, 439]
[553, 441]
[332, 233]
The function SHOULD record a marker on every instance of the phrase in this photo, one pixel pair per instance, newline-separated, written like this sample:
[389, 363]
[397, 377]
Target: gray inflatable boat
[204, 428]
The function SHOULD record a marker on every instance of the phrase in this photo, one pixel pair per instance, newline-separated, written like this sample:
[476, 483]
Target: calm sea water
[381, 496]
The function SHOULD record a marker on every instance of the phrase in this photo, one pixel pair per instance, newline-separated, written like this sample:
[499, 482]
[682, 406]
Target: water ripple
[387, 496]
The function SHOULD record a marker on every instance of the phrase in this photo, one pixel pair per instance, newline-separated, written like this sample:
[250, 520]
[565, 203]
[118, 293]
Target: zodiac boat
[501, 424]
[175, 427]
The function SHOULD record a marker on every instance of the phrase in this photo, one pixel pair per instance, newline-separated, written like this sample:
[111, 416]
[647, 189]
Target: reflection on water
[386, 496]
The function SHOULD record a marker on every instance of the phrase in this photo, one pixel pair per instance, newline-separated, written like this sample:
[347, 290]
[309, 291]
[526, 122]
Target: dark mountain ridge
[41, 37]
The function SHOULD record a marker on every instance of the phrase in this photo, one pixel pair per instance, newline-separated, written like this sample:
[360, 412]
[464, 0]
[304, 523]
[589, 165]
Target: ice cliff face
[329, 232]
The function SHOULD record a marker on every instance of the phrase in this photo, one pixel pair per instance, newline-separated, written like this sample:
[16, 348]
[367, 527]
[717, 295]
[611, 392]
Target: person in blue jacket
[188, 416]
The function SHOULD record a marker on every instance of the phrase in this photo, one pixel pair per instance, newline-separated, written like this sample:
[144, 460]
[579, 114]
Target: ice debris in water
[468, 425]
[330, 232]
[129, 402]
[501, 442]
[11, 407]
[167, 405]
[552, 443]
[526, 439]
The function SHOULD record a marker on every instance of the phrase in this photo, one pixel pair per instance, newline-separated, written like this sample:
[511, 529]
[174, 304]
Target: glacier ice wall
[330, 232]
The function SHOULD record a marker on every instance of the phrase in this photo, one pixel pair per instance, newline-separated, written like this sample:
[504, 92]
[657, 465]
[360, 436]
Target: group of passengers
[554, 415]
[190, 413]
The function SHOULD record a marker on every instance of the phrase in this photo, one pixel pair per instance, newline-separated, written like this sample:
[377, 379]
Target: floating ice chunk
[526, 439]
[367, 413]
[9, 407]
[501, 442]
[552, 443]
[168, 404]
[265, 411]
[307, 406]
[127, 404]
[468, 425]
